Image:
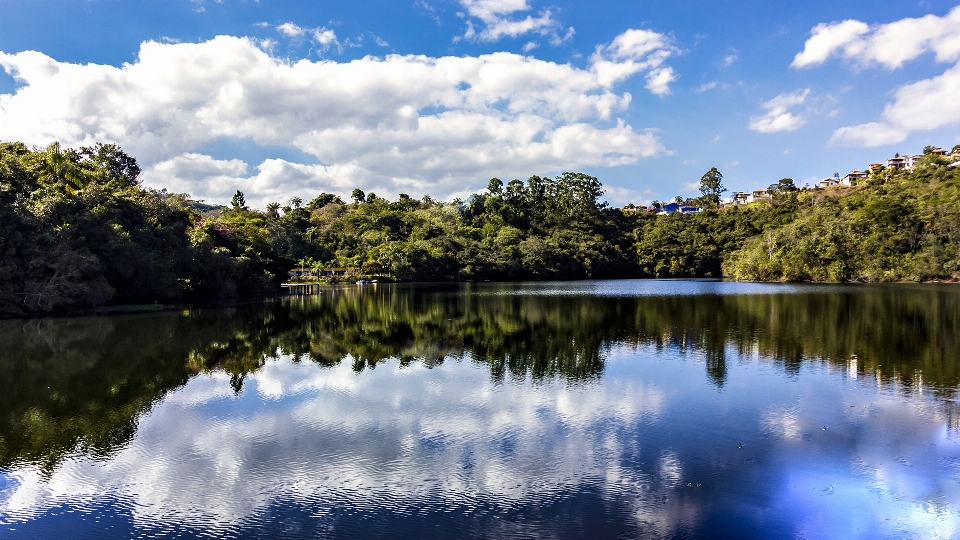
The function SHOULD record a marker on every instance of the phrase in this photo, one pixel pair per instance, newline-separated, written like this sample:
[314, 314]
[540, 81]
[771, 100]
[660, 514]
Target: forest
[79, 231]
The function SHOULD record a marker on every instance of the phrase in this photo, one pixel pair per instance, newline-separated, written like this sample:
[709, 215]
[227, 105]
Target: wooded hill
[77, 230]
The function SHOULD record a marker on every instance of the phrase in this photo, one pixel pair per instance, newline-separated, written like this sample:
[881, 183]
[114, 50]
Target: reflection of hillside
[82, 383]
[907, 334]
[68, 384]
[517, 335]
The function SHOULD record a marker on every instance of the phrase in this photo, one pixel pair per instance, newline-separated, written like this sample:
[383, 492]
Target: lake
[597, 409]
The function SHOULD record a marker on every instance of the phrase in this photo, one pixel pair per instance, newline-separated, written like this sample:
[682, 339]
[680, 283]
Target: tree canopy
[78, 230]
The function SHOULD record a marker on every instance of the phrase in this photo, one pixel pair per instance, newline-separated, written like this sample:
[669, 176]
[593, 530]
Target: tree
[239, 201]
[711, 186]
[322, 200]
[784, 185]
[296, 202]
[273, 210]
[358, 195]
[927, 149]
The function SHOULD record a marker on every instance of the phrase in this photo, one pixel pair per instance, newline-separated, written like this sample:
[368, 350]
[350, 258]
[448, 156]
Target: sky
[284, 99]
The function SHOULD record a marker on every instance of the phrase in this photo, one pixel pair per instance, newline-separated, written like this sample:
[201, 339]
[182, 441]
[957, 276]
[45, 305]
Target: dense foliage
[900, 226]
[77, 230]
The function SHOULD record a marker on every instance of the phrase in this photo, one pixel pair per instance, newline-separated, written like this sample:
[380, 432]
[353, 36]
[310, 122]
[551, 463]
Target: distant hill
[899, 226]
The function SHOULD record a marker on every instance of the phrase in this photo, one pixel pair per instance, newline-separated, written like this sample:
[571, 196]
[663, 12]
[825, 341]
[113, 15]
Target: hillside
[901, 227]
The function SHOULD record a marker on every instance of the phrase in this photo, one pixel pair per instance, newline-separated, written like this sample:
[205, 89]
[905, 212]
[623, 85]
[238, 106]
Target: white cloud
[398, 123]
[706, 86]
[290, 30]
[920, 106]
[530, 46]
[318, 418]
[632, 52]
[322, 36]
[658, 80]
[890, 45]
[328, 38]
[495, 16]
[619, 196]
[729, 60]
[778, 116]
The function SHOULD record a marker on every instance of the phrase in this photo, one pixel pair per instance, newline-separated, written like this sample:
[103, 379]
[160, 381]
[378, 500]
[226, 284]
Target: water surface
[609, 409]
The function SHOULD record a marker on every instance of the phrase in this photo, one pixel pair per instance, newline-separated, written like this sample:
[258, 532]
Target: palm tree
[58, 167]
[273, 210]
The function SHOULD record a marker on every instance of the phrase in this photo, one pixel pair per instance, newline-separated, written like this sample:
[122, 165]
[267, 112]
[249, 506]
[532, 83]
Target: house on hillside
[897, 162]
[741, 197]
[875, 167]
[937, 151]
[761, 195]
[853, 177]
[828, 183]
[674, 208]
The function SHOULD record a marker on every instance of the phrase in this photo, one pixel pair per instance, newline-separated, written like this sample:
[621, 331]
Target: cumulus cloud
[397, 123]
[290, 30]
[658, 80]
[496, 18]
[919, 106]
[778, 116]
[328, 38]
[632, 52]
[322, 36]
[889, 45]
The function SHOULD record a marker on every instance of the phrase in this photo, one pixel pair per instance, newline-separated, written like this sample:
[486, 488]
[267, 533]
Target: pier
[299, 289]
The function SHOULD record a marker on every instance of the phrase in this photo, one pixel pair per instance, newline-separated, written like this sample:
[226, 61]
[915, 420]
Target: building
[876, 167]
[899, 162]
[761, 195]
[741, 197]
[853, 177]
[674, 208]
[937, 151]
[828, 182]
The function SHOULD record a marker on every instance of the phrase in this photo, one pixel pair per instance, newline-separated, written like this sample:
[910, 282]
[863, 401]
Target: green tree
[239, 201]
[711, 186]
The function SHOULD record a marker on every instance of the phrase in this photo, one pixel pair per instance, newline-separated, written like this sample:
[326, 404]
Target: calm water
[620, 409]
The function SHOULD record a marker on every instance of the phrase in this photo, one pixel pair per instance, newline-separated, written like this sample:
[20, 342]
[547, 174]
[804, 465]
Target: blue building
[674, 208]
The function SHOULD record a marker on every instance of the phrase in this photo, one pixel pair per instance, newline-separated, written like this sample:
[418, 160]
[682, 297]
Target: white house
[853, 177]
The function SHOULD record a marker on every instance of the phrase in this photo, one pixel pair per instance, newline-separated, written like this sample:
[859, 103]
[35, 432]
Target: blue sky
[437, 96]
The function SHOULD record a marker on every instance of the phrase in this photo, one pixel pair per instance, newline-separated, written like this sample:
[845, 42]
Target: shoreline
[222, 303]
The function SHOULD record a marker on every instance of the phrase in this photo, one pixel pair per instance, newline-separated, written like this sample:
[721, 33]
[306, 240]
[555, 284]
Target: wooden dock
[301, 289]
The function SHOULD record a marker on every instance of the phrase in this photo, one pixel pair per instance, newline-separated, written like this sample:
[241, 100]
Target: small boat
[363, 282]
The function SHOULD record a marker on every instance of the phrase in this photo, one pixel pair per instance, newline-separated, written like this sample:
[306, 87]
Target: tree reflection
[81, 384]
